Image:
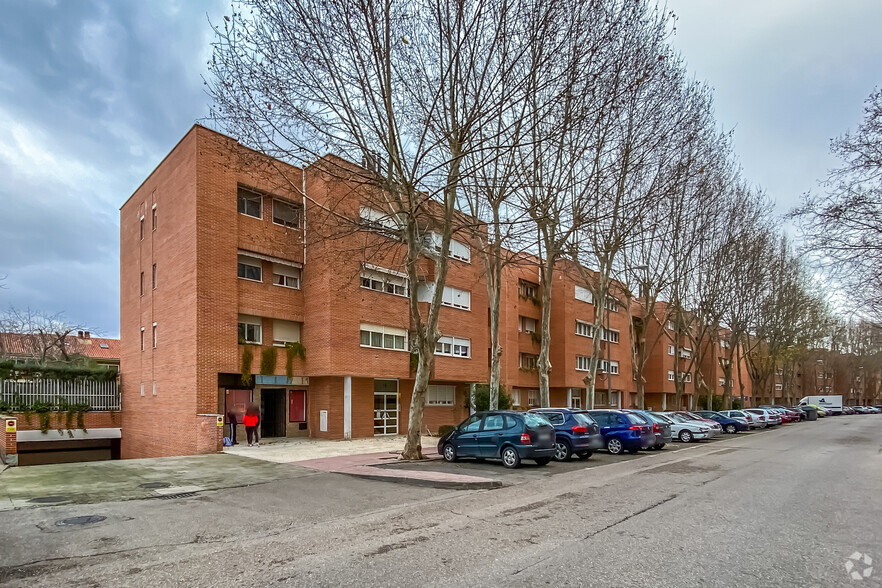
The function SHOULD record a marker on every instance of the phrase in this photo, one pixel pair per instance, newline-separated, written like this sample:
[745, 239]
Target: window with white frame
[528, 361]
[456, 298]
[458, 250]
[584, 294]
[575, 398]
[671, 350]
[155, 218]
[533, 397]
[249, 268]
[584, 329]
[375, 220]
[614, 398]
[286, 276]
[724, 344]
[686, 353]
[527, 324]
[722, 382]
[610, 336]
[583, 363]
[379, 337]
[685, 376]
[440, 395]
[611, 367]
[154, 335]
[731, 383]
[612, 304]
[527, 289]
[250, 329]
[453, 346]
[285, 332]
[249, 202]
[779, 386]
[515, 396]
[670, 376]
[286, 214]
[381, 280]
[671, 326]
[142, 338]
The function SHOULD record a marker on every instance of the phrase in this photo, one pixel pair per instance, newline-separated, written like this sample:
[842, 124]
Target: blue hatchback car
[501, 434]
[624, 431]
[576, 433]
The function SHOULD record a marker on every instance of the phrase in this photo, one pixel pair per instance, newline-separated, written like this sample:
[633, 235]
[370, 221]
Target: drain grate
[154, 485]
[181, 495]
[49, 499]
[84, 520]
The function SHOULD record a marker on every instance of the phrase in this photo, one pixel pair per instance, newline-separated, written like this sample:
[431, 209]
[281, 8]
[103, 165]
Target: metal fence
[98, 395]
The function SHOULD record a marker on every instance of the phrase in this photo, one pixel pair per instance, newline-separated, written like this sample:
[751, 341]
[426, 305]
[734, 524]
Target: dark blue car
[730, 426]
[624, 431]
[501, 434]
[575, 432]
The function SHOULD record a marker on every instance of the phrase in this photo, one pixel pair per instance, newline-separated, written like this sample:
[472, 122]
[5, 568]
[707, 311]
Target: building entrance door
[272, 410]
[385, 407]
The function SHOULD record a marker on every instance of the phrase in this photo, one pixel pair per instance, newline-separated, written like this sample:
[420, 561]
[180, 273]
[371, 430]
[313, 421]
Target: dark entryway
[272, 410]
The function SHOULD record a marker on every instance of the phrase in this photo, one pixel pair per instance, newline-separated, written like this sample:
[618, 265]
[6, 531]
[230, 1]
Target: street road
[779, 508]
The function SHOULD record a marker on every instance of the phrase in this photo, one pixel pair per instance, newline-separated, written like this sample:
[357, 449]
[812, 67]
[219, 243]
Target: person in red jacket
[251, 420]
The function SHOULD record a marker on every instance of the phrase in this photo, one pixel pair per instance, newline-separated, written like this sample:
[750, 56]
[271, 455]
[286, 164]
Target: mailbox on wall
[297, 406]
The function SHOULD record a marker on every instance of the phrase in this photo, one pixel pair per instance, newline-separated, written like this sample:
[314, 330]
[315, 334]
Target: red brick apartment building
[225, 253]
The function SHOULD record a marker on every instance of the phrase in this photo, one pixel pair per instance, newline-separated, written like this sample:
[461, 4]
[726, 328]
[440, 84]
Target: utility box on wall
[323, 421]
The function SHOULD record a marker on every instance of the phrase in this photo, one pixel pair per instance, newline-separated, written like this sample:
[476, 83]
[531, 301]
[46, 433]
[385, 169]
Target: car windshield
[583, 418]
[662, 418]
[637, 419]
[679, 418]
[536, 420]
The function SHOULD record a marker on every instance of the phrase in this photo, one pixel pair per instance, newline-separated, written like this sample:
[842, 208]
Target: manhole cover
[155, 485]
[85, 520]
[49, 499]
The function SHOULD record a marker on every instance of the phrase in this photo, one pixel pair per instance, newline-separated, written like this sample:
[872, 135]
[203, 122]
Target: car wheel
[449, 453]
[510, 458]
[585, 454]
[614, 446]
[562, 451]
[542, 461]
[685, 436]
[731, 429]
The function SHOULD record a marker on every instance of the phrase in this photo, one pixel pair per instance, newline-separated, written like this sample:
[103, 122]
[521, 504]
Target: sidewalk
[361, 458]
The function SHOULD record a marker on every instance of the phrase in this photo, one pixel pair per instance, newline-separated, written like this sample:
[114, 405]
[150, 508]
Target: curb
[426, 483]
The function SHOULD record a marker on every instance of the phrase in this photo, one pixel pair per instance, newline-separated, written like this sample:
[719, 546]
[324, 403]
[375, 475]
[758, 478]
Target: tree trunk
[546, 278]
[412, 445]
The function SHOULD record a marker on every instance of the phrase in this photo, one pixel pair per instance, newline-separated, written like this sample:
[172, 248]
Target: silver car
[741, 417]
[771, 418]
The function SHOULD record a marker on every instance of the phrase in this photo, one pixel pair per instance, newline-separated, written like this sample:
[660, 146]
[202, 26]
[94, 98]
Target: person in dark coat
[231, 417]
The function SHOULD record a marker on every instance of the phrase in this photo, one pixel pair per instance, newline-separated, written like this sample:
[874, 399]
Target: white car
[770, 418]
[687, 430]
[742, 417]
[715, 428]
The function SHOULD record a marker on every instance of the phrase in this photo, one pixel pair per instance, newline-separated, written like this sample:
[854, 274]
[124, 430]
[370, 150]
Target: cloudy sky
[94, 93]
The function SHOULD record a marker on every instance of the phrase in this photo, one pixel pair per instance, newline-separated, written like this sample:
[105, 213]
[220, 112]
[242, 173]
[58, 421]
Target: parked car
[741, 416]
[783, 415]
[728, 424]
[623, 431]
[576, 433]
[798, 411]
[687, 430]
[849, 410]
[715, 428]
[660, 426]
[771, 419]
[501, 434]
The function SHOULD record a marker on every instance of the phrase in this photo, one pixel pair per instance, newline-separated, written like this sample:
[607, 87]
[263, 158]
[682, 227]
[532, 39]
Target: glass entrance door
[385, 407]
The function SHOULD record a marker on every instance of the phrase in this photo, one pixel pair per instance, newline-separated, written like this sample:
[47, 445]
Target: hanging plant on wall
[414, 361]
[247, 360]
[268, 361]
[292, 350]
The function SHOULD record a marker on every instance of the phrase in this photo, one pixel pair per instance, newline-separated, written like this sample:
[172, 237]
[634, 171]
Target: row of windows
[386, 223]
[251, 331]
[684, 376]
[587, 330]
[153, 279]
[685, 352]
[583, 364]
[251, 268]
[585, 295]
[141, 224]
[250, 203]
[143, 334]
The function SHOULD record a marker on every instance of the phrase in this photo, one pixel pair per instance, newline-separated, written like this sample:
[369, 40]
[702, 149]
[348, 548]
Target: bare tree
[44, 335]
[843, 226]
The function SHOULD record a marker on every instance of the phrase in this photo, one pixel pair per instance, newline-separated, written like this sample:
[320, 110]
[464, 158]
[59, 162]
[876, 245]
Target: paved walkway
[364, 458]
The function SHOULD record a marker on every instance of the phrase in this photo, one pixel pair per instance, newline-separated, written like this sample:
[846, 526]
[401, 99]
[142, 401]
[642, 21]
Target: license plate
[545, 437]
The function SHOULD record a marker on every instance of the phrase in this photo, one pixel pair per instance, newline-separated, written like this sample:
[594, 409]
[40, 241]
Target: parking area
[529, 471]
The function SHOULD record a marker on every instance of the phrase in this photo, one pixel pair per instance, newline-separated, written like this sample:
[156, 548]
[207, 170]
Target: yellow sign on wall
[10, 426]
[220, 421]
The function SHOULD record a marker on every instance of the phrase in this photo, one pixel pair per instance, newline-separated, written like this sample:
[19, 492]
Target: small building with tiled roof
[104, 351]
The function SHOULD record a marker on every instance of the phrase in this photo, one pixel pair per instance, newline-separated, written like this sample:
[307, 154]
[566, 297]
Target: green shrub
[482, 398]
[247, 360]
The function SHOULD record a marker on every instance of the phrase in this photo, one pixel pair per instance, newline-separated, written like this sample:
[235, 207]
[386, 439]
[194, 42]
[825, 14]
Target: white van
[830, 404]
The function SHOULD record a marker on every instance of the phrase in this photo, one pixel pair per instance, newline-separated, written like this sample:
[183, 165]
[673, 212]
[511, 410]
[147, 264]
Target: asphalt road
[780, 508]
